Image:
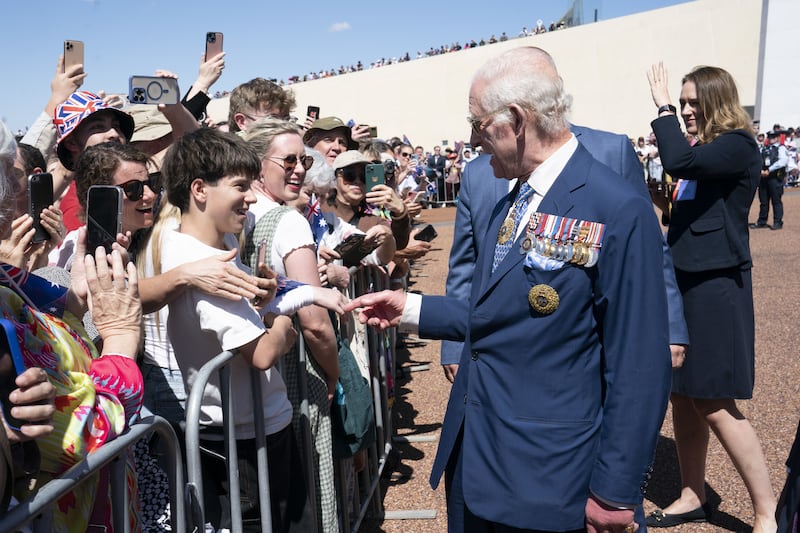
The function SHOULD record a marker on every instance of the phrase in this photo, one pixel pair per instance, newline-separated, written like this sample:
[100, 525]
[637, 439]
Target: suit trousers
[770, 189]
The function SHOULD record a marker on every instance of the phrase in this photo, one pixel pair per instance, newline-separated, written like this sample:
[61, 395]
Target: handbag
[352, 416]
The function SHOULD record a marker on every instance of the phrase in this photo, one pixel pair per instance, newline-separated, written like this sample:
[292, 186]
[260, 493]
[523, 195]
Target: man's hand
[33, 401]
[381, 310]
[602, 518]
[678, 352]
[450, 372]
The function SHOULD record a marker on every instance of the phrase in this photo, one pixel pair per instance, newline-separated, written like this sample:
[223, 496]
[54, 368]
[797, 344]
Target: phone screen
[11, 365]
[103, 216]
[313, 112]
[40, 196]
[374, 174]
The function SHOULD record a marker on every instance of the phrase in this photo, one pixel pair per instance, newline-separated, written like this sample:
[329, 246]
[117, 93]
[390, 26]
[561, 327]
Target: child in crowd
[208, 176]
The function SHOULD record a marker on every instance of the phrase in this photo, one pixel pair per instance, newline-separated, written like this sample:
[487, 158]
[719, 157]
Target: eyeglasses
[353, 173]
[476, 123]
[290, 161]
[405, 154]
[134, 189]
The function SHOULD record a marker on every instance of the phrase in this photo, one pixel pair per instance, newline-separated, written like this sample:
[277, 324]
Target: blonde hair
[263, 131]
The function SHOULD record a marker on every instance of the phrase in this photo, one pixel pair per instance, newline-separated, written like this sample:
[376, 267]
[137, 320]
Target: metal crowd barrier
[354, 500]
[38, 511]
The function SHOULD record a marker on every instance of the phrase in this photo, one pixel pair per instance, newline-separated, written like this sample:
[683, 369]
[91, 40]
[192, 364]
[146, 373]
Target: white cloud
[339, 26]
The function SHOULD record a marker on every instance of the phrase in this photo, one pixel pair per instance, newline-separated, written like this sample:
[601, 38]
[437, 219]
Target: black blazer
[710, 232]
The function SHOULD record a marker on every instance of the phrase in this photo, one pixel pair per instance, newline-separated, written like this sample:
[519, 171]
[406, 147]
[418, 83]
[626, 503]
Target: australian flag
[431, 188]
[314, 216]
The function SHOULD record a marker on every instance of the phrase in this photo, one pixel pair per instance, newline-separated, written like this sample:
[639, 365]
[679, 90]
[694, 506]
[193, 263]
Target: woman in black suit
[719, 170]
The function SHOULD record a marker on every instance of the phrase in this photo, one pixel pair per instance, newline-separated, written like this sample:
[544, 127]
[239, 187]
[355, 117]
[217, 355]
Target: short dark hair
[209, 155]
[31, 158]
[98, 163]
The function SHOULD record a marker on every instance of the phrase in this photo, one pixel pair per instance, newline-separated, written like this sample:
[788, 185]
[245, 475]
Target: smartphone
[427, 234]
[103, 216]
[213, 44]
[352, 249]
[153, 90]
[11, 365]
[419, 195]
[73, 54]
[373, 132]
[40, 196]
[312, 111]
[374, 174]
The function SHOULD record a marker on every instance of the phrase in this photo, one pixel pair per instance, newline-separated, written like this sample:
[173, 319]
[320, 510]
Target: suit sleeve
[443, 317]
[632, 172]
[462, 262]
[632, 314]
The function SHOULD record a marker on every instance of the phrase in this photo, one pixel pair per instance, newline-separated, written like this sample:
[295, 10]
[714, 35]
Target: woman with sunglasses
[293, 254]
[124, 166]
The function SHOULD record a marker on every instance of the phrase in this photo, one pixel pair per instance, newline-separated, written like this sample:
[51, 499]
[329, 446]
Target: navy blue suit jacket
[479, 194]
[555, 406]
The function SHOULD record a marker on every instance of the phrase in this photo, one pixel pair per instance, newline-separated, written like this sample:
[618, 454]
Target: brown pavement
[421, 396]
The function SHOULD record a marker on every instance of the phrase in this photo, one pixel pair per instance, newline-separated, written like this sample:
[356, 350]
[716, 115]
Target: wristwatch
[667, 107]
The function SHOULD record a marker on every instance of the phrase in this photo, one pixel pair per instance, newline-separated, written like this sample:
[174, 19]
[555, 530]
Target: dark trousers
[461, 520]
[770, 189]
[288, 496]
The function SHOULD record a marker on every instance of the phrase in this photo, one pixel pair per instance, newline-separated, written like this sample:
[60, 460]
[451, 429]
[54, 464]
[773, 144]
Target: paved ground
[421, 396]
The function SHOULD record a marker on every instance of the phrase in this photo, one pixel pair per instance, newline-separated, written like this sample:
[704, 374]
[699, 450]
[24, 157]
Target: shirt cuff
[615, 505]
[409, 321]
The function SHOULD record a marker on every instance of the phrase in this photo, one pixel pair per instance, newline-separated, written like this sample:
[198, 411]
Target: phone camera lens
[69, 46]
[211, 37]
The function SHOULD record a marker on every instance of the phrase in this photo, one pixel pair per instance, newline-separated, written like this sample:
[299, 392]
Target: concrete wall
[780, 68]
[603, 65]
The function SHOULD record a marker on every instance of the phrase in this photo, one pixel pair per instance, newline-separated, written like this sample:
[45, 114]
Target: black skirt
[720, 361]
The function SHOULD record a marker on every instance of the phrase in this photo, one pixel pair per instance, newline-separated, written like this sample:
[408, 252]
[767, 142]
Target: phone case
[103, 216]
[427, 234]
[153, 90]
[373, 174]
[352, 250]
[11, 366]
[213, 44]
[40, 196]
[73, 53]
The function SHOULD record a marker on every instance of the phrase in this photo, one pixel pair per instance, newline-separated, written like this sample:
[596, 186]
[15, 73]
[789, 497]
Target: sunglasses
[351, 174]
[290, 161]
[134, 189]
[405, 154]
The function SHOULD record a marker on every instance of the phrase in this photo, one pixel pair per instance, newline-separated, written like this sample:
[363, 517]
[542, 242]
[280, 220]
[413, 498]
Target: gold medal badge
[506, 229]
[543, 299]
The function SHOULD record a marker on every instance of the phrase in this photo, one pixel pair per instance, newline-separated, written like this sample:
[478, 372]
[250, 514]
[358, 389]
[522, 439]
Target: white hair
[8, 182]
[527, 77]
[320, 177]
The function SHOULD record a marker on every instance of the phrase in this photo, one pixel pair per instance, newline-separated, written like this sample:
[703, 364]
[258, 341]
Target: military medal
[504, 235]
[543, 299]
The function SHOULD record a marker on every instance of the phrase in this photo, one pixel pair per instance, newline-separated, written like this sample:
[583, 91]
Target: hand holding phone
[153, 90]
[313, 112]
[11, 366]
[374, 175]
[353, 249]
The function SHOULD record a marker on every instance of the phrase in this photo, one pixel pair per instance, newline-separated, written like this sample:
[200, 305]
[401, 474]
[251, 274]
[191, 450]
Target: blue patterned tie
[520, 204]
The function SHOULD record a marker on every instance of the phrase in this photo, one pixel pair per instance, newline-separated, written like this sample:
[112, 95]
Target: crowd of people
[229, 232]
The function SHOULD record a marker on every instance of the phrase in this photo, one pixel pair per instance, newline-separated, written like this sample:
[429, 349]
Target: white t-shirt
[293, 231]
[200, 326]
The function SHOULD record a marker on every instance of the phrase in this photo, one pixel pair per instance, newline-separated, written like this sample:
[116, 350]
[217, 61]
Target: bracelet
[667, 107]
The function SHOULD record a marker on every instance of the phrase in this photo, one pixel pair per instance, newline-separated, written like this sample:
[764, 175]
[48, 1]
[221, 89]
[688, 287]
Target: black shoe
[777, 226]
[660, 519]
[758, 225]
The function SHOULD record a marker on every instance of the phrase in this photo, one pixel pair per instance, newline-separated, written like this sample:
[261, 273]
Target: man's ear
[239, 119]
[198, 191]
[518, 119]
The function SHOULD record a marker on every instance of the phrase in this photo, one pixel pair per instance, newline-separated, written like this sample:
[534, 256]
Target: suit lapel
[558, 200]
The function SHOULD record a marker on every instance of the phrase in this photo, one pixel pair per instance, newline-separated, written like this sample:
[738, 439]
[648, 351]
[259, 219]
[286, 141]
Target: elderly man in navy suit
[478, 196]
[563, 382]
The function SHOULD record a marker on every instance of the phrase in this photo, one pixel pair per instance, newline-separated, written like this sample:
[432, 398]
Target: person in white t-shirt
[208, 176]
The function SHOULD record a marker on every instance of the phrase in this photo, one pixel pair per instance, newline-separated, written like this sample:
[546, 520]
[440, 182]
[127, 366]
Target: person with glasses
[292, 253]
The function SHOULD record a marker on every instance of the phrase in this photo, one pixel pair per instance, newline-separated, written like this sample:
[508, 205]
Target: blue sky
[262, 38]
